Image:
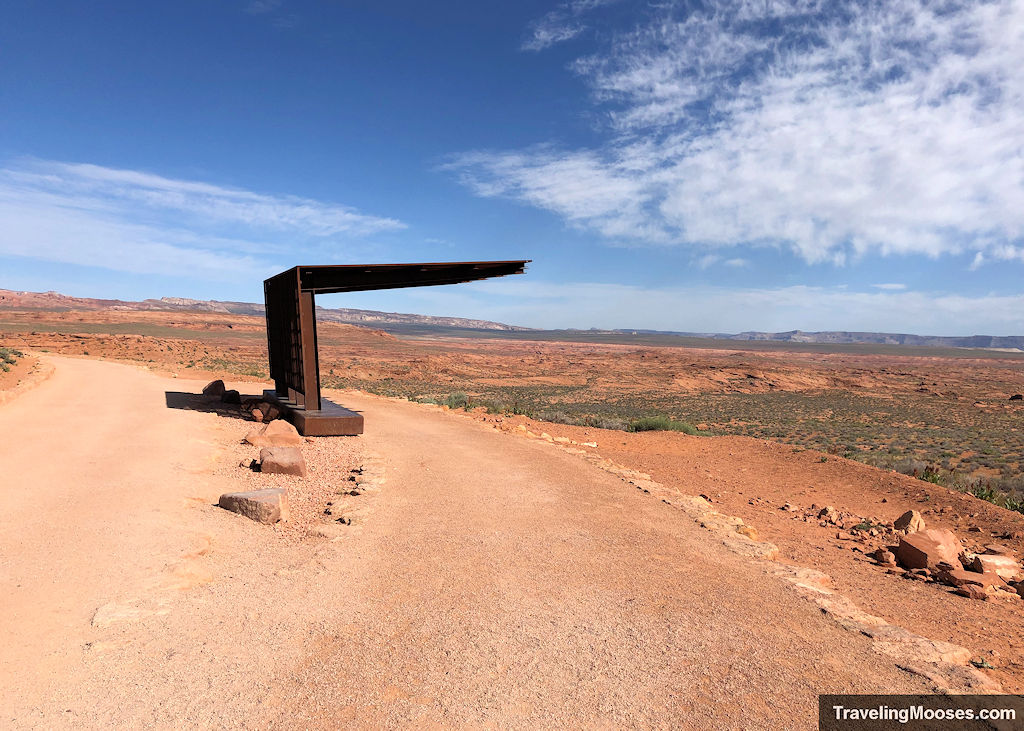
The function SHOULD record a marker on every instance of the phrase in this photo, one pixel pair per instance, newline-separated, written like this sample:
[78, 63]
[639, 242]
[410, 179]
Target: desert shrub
[8, 357]
[661, 423]
[457, 400]
[595, 422]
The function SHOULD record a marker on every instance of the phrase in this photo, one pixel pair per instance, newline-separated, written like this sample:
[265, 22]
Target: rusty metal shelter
[291, 328]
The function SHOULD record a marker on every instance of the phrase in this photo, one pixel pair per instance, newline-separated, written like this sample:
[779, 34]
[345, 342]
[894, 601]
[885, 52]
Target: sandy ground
[754, 479]
[490, 581]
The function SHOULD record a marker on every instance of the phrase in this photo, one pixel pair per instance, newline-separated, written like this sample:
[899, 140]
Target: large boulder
[282, 461]
[231, 397]
[911, 522]
[1006, 567]
[214, 388]
[927, 548]
[263, 506]
[278, 433]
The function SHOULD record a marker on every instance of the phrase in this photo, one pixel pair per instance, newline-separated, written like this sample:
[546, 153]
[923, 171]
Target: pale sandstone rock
[926, 548]
[1005, 567]
[282, 461]
[278, 433]
[911, 522]
[263, 506]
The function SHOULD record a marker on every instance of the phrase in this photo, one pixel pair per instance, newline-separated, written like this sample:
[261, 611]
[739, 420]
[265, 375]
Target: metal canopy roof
[291, 324]
[327, 279]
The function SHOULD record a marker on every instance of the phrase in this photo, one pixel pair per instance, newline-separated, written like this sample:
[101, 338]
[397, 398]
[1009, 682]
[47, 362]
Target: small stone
[972, 592]
[269, 410]
[214, 388]
[749, 531]
[884, 557]
[247, 463]
[997, 549]
[911, 522]
[263, 506]
[257, 415]
[278, 433]
[282, 461]
[231, 397]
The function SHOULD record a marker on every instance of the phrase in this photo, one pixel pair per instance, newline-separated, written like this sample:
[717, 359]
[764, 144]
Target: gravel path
[485, 581]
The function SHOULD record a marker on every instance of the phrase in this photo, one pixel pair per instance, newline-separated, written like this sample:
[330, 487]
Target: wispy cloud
[563, 23]
[132, 221]
[890, 286]
[833, 129]
[260, 7]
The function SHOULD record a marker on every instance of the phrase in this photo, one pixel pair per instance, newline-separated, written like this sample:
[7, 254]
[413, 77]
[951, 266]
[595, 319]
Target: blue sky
[693, 166]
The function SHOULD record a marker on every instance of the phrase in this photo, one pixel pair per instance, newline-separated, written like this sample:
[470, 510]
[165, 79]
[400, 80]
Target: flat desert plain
[525, 558]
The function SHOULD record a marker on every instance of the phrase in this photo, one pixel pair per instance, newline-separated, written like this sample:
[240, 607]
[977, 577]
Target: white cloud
[137, 222]
[833, 129]
[561, 24]
[260, 7]
[890, 286]
[714, 309]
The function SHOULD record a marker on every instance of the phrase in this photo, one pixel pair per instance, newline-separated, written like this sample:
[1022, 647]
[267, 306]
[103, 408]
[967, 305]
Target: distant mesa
[10, 299]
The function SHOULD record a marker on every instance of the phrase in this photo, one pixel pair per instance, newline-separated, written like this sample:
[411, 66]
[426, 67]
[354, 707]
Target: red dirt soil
[754, 479]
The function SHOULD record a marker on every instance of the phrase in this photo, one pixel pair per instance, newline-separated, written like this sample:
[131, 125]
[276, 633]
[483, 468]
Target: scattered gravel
[330, 462]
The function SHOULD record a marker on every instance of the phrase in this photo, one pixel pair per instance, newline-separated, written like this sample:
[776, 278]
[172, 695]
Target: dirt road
[491, 581]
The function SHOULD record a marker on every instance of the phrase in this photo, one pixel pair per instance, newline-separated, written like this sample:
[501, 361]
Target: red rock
[911, 522]
[214, 388]
[963, 577]
[926, 548]
[269, 411]
[231, 397]
[263, 506]
[996, 549]
[884, 557]
[278, 433]
[972, 592]
[282, 461]
[1005, 567]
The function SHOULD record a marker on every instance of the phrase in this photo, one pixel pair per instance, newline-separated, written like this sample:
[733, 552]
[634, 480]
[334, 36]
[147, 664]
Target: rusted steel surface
[291, 318]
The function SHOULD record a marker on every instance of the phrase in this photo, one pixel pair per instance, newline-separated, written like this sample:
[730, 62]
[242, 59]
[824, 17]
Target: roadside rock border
[946, 666]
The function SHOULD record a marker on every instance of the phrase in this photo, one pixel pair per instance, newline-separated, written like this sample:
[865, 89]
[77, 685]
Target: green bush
[662, 423]
[457, 400]
[8, 357]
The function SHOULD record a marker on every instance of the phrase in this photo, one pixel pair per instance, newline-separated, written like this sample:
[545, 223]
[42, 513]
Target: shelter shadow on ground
[199, 402]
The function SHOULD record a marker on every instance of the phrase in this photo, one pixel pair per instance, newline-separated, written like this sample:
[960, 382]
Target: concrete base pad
[331, 420]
